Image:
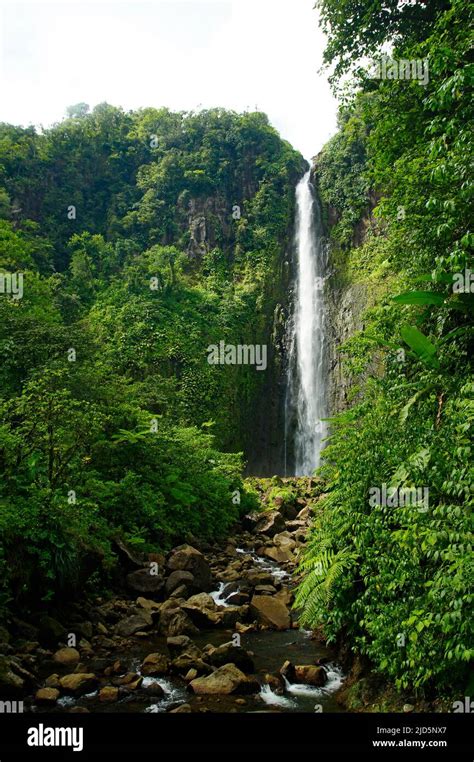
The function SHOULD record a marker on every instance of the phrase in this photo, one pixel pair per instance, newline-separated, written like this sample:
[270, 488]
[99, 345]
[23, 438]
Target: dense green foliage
[397, 582]
[142, 238]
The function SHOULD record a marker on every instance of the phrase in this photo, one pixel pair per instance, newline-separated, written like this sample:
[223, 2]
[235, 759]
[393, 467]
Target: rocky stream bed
[207, 628]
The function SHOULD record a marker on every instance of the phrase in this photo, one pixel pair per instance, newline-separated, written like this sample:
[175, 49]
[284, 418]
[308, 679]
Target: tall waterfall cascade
[305, 406]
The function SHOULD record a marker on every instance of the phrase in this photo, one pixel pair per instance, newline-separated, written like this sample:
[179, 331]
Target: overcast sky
[183, 54]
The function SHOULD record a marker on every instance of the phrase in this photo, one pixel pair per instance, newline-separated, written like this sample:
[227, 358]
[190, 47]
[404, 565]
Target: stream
[270, 649]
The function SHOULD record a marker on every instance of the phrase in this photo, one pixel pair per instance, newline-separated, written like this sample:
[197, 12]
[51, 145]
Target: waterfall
[307, 372]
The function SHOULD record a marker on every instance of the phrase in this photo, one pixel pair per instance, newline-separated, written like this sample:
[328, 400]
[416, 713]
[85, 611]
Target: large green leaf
[420, 297]
[420, 344]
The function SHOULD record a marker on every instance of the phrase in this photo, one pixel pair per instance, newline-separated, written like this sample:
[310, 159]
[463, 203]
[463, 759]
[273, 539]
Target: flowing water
[305, 428]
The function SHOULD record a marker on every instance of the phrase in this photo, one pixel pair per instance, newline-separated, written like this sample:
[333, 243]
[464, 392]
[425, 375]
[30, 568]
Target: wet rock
[225, 680]
[11, 683]
[258, 577]
[275, 682]
[78, 683]
[152, 607]
[202, 610]
[134, 623]
[153, 689]
[52, 681]
[180, 578]
[126, 679]
[128, 683]
[287, 670]
[155, 664]
[191, 674]
[99, 664]
[270, 523]
[230, 615]
[182, 709]
[227, 653]
[310, 675]
[86, 629]
[187, 661]
[178, 643]
[265, 590]
[174, 621]
[47, 696]
[238, 599]
[250, 521]
[280, 555]
[304, 514]
[270, 612]
[187, 558]
[295, 526]
[143, 581]
[284, 540]
[108, 694]
[243, 628]
[67, 657]
[285, 596]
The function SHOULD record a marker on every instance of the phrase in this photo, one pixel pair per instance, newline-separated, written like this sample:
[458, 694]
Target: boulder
[179, 643]
[11, 683]
[230, 615]
[155, 664]
[187, 558]
[225, 680]
[256, 577]
[47, 696]
[270, 523]
[108, 694]
[280, 555]
[67, 657]
[152, 607]
[180, 578]
[270, 612]
[78, 683]
[174, 621]
[250, 521]
[227, 653]
[153, 689]
[284, 540]
[134, 623]
[52, 681]
[181, 709]
[287, 670]
[237, 599]
[143, 581]
[265, 590]
[285, 596]
[186, 662]
[202, 610]
[310, 675]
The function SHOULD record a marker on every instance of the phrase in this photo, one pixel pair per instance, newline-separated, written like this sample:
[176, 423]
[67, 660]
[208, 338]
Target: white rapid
[307, 373]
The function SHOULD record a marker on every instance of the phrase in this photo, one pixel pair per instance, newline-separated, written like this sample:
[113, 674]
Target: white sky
[183, 54]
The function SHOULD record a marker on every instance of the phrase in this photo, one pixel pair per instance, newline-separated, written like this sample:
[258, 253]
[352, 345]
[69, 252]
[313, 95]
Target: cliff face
[345, 305]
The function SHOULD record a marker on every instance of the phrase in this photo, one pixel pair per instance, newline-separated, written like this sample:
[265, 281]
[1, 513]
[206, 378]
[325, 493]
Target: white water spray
[307, 373]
